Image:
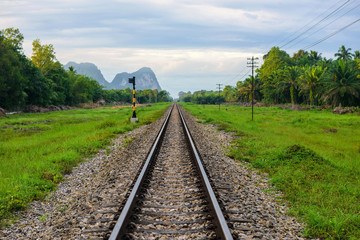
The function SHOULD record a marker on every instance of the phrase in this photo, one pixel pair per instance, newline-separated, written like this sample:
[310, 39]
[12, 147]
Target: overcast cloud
[190, 45]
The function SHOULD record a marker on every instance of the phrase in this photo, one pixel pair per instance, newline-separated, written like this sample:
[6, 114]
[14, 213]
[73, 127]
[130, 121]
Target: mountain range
[144, 78]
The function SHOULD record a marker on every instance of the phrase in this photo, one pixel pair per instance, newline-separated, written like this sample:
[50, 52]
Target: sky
[189, 44]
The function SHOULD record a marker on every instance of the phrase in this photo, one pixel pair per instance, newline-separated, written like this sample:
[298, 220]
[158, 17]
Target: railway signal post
[133, 118]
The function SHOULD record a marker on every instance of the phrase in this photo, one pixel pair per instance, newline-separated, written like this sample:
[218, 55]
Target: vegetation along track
[172, 197]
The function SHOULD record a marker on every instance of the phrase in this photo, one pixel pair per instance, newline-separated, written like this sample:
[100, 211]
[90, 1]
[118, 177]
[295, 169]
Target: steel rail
[223, 230]
[130, 203]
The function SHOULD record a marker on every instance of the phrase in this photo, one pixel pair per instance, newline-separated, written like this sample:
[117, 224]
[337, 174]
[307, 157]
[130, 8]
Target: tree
[357, 54]
[292, 75]
[315, 56]
[274, 60]
[344, 53]
[43, 56]
[342, 85]
[38, 88]
[12, 82]
[164, 96]
[229, 93]
[311, 80]
[14, 37]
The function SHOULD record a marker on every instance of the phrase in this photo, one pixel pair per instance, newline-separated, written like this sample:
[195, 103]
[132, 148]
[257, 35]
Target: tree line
[305, 78]
[42, 81]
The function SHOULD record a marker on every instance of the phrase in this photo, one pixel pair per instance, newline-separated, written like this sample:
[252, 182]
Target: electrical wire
[237, 75]
[313, 20]
[330, 35]
[316, 24]
[325, 26]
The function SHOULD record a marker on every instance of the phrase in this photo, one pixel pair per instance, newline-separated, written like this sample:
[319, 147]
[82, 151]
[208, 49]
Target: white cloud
[181, 40]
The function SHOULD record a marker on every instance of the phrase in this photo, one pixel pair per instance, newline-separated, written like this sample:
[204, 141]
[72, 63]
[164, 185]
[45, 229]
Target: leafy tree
[164, 96]
[38, 88]
[344, 53]
[148, 95]
[12, 82]
[342, 85]
[229, 93]
[14, 37]
[43, 56]
[274, 60]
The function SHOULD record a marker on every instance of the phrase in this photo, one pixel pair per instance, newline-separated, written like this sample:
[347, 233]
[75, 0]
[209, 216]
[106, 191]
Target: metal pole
[252, 89]
[252, 65]
[133, 118]
[134, 99]
[219, 86]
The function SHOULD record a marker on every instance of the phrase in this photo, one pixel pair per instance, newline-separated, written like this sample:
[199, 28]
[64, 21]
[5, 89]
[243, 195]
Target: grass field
[312, 156]
[37, 149]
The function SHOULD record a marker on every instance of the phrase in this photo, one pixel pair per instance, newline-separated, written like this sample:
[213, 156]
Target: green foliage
[274, 60]
[311, 80]
[344, 53]
[12, 82]
[342, 85]
[43, 56]
[203, 97]
[13, 37]
[36, 150]
[311, 156]
[42, 81]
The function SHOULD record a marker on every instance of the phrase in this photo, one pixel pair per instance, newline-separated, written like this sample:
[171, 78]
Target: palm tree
[315, 56]
[357, 54]
[342, 85]
[344, 53]
[311, 80]
[292, 75]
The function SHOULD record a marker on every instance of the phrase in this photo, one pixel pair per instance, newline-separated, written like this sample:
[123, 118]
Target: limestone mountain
[90, 70]
[145, 77]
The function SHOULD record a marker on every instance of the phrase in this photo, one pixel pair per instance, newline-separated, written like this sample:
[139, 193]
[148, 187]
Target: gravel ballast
[93, 190]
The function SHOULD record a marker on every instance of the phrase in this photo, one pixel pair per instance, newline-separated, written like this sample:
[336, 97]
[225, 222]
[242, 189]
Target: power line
[325, 25]
[313, 20]
[316, 24]
[330, 35]
[237, 75]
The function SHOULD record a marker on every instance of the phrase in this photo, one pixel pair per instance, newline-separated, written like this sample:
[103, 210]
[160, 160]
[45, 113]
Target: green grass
[313, 157]
[37, 149]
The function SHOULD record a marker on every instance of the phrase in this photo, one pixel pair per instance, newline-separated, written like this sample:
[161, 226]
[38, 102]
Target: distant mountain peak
[145, 77]
[90, 70]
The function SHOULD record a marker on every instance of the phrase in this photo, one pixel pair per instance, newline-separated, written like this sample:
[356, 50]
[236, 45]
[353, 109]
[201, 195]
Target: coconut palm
[344, 53]
[342, 85]
[311, 79]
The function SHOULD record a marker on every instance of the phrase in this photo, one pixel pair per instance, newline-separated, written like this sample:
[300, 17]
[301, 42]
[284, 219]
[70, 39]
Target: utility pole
[252, 64]
[219, 87]
[133, 118]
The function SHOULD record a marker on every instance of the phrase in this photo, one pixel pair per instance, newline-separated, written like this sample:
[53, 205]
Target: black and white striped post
[133, 118]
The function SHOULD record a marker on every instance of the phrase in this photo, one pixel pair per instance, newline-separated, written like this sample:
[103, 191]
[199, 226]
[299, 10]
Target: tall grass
[312, 156]
[37, 149]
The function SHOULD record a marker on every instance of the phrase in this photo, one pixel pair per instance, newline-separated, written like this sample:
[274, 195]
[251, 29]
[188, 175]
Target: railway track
[172, 197]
